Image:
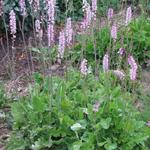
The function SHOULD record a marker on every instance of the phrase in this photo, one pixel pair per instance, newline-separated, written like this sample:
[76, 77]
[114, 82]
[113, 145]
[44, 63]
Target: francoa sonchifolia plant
[81, 113]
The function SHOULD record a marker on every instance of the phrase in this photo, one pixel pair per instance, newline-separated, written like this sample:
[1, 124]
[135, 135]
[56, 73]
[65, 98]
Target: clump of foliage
[89, 46]
[80, 113]
[138, 36]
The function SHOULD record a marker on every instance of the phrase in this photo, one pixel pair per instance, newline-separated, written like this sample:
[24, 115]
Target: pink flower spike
[88, 15]
[22, 7]
[114, 32]
[94, 5]
[69, 32]
[110, 13]
[128, 16]
[106, 63]
[134, 67]
[121, 51]
[50, 34]
[94, 8]
[132, 62]
[83, 67]
[12, 22]
[119, 74]
[96, 106]
[61, 47]
[133, 74]
[51, 11]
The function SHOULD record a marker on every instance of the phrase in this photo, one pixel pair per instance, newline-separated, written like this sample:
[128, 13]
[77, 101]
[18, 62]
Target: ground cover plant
[75, 71]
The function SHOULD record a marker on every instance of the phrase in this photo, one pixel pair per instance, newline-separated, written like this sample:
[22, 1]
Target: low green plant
[138, 36]
[88, 45]
[80, 113]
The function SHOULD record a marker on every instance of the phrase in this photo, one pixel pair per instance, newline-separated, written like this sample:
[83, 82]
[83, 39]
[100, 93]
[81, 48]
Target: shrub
[80, 113]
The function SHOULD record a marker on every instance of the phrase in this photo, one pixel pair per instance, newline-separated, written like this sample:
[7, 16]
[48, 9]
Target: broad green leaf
[105, 123]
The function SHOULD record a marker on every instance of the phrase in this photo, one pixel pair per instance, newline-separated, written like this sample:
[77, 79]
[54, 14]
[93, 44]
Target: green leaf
[39, 104]
[111, 146]
[76, 127]
[105, 123]
[102, 143]
[75, 146]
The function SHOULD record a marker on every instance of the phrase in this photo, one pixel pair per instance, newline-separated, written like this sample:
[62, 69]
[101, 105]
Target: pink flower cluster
[110, 13]
[106, 63]
[22, 7]
[65, 38]
[12, 23]
[133, 69]
[94, 8]
[69, 32]
[96, 106]
[121, 51]
[128, 16]
[114, 32]
[51, 21]
[119, 74]
[61, 46]
[50, 34]
[88, 15]
[51, 11]
[83, 67]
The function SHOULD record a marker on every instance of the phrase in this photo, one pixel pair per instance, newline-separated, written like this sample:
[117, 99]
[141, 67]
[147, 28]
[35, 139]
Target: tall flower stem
[8, 48]
[13, 29]
[24, 43]
[95, 51]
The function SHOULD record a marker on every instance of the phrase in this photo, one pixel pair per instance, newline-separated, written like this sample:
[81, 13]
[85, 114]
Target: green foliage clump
[65, 118]
[139, 36]
[90, 46]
